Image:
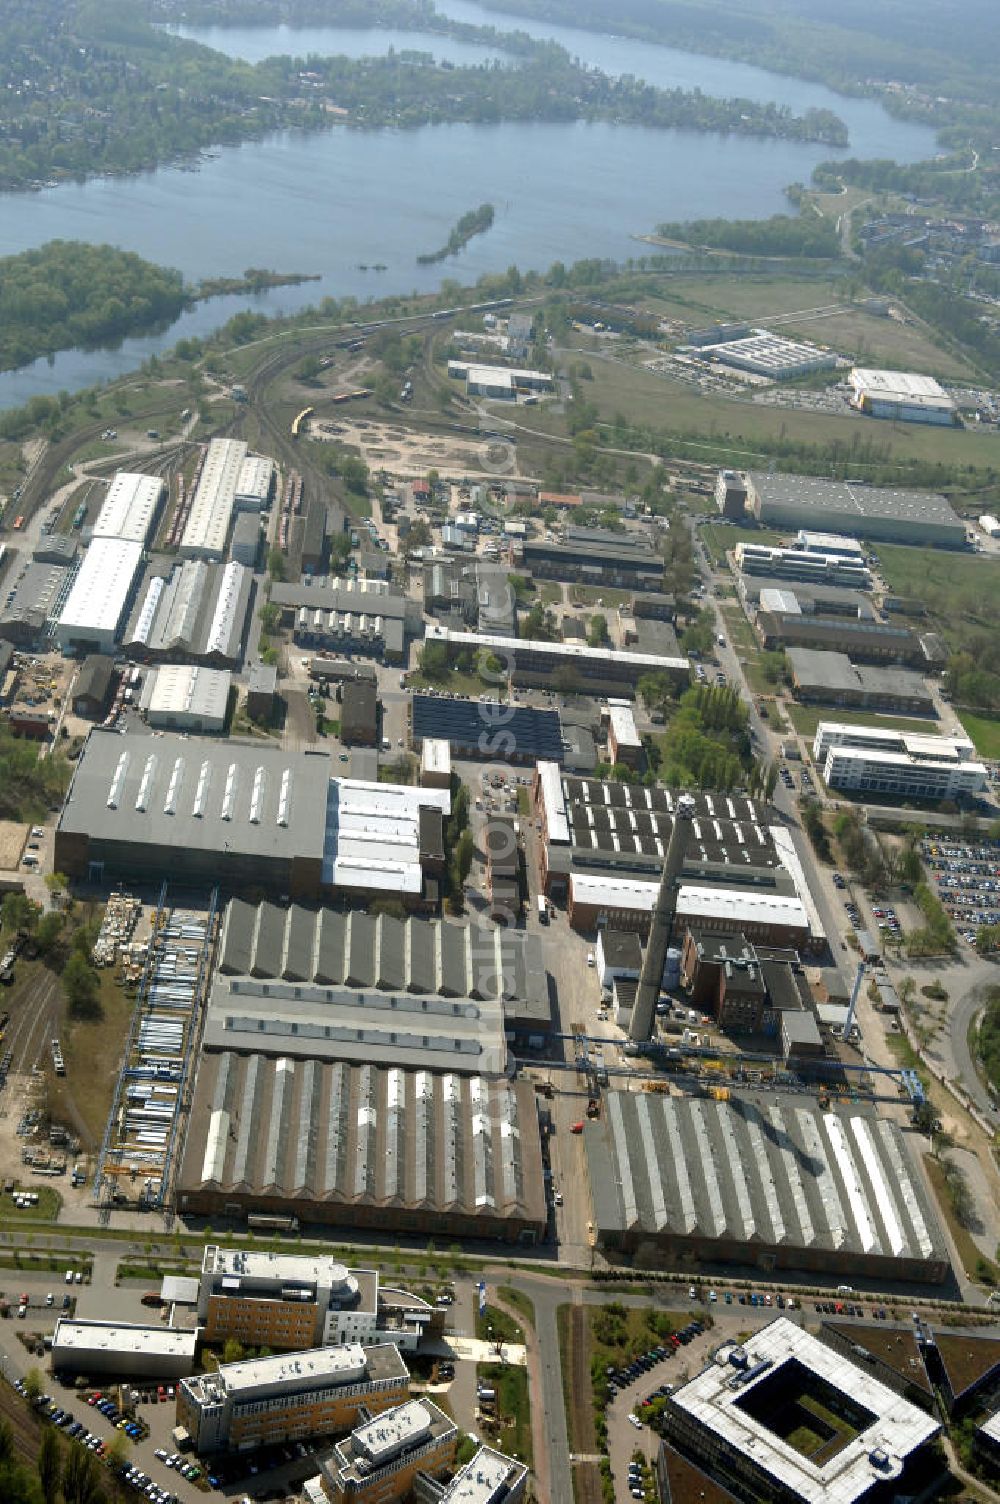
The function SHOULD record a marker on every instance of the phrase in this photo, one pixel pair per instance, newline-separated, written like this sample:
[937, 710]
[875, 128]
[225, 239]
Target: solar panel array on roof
[473, 728]
[632, 819]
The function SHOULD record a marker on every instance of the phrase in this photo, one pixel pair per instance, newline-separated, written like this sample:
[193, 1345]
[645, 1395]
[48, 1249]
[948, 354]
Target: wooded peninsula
[475, 222]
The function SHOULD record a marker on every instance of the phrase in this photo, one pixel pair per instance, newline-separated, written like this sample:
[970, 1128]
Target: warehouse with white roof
[98, 603]
[626, 903]
[184, 697]
[207, 527]
[254, 483]
[373, 835]
[901, 396]
[121, 1348]
[131, 507]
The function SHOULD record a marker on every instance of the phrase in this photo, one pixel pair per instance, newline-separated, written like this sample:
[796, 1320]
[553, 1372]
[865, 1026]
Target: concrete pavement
[547, 1297]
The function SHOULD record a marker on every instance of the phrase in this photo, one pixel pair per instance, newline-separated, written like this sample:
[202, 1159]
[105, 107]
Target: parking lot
[967, 878]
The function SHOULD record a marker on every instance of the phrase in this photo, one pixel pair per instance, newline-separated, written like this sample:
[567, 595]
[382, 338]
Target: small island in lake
[476, 222]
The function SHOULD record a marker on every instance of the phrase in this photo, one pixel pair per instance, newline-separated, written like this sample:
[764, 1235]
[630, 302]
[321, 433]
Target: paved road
[547, 1298]
[967, 981]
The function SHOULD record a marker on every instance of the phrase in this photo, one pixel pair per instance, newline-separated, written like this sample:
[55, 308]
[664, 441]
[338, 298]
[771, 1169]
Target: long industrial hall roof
[317, 1131]
[774, 1172]
[425, 957]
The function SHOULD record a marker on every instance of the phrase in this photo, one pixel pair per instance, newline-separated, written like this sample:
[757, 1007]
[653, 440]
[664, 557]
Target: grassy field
[522, 1304]
[985, 732]
[724, 431]
[513, 1408]
[47, 1210]
[973, 1261]
[796, 303]
[495, 1325]
[947, 583]
[455, 684]
[721, 538]
[805, 719]
[93, 1051]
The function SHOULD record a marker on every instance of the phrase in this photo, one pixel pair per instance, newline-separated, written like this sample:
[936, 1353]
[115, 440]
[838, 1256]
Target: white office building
[131, 507]
[903, 763]
[303, 1300]
[736, 1416]
[98, 603]
[207, 527]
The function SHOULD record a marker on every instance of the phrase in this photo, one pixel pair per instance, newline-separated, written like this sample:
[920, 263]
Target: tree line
[781, 235]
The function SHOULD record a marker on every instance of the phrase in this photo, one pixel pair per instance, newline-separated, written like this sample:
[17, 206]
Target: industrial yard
[445, 861]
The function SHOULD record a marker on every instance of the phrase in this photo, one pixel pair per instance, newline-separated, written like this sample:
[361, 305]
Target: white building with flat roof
[435, 763]
[901, 396]
[290, 1395]
[373, 834]
[903, 763]
[212, 505]
[487, 1478]
[885, 739]
[186, 697]
[829, 543]
[130, 508]
[736, 1417]
[770, 355]
[128, 1351]
[98, 603]
[253, 483]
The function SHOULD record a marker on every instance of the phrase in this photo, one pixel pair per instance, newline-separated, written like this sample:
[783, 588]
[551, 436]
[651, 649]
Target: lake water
[327, 203]
[254, 43]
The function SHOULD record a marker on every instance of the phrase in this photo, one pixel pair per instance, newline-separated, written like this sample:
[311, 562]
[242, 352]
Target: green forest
[91, 86]
[67, 293]
[855, 47]
[28, 786]
[781, 235]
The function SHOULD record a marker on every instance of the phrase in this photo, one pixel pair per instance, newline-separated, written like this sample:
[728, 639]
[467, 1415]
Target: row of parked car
[968, 881]
[121, 1422]
[92, 1442]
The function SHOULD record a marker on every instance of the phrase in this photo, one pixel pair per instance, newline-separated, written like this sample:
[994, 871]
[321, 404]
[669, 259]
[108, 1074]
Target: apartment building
[291, 1302]
[264, 1401]
[379, 1461]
